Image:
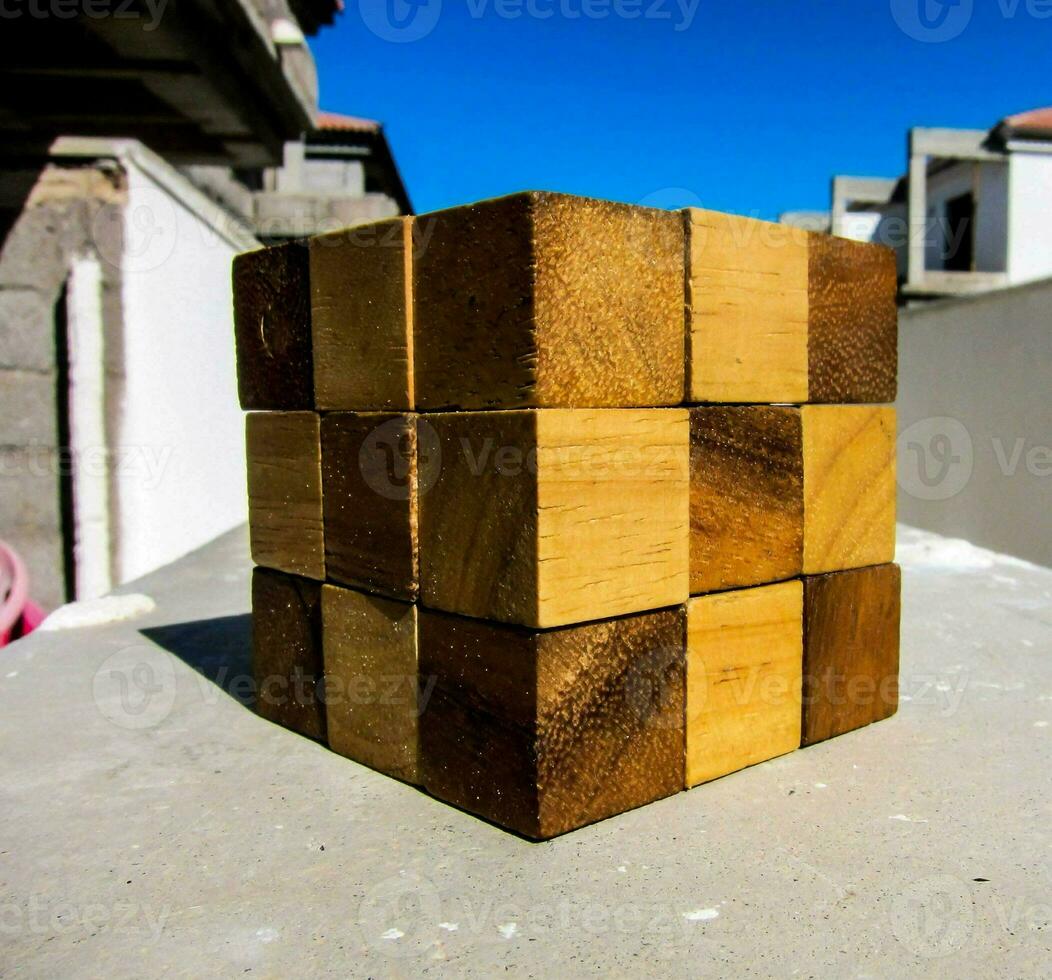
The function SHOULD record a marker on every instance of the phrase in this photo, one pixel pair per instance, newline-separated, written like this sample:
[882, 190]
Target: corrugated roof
[336, 122]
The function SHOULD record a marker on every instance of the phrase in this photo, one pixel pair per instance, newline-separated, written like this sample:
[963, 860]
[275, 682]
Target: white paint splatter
[14, 673]
[393, 934]
[1028, 643]
[96, 612]
[622, 868]
[905, 819]
[702, 915]
[267, 934]
[449, 926]
[508, 929]
[1041, 724]
[821, 785]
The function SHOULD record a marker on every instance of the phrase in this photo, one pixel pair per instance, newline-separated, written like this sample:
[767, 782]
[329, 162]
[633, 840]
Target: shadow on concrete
[219, 649]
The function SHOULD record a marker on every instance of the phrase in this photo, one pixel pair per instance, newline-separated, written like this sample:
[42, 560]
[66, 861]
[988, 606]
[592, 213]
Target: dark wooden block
[548, 300]
[746, 496]
[285, 492]
[272, 328]
[286, 651]
[851, 650]
[369, 473]
[545, 731]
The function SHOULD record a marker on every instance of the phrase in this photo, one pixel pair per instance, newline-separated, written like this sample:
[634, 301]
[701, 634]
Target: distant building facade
[973, 212]
[121, 440]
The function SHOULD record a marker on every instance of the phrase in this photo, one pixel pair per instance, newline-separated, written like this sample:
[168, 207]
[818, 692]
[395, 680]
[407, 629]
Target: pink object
[19, 616]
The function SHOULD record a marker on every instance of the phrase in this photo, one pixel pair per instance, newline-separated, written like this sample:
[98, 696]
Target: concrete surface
[153, 825]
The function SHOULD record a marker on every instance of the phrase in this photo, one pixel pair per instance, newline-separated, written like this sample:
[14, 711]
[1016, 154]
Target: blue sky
[741, 106]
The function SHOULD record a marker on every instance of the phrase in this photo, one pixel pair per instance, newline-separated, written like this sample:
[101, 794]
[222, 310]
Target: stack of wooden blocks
[573, 505]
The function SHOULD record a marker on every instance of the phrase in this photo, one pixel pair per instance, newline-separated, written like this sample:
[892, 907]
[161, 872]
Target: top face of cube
[547, 300]
[777, 314]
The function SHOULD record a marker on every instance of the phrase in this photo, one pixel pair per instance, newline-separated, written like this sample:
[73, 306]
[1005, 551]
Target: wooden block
[285, 493]
[777, 314]
[272, 328]
[547, 300]
[371, 691]
[851, 650]
[744, 664]
[556, 516]
[746, 496]
[369, 474]
[361, 316]
[849, 486]
[286, 651]
[543, 732]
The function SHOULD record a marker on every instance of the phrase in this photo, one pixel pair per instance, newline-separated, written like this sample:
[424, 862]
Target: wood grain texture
[853, 321]
[556, 516]
[744, 670]
[549, 300]
[777, 314]
[361, 317]
[851, 650]
[286, 651]
[371, 496]
[543, 732]
[285, 492]
[849, 486]
[272, 328]
[746, 496]
[371, 684]
[747, 309]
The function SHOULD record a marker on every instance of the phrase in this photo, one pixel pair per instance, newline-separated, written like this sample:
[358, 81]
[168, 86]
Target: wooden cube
[851, 650]
[849, 486]
[744, 667]
[285, 492]
[746, 496]
[547, 300]
[776, 491]
[362, 316]
[555, 516]
[272, 328]
[778, 314]
[286, 651]
[371, 691]
[543, 732]
[371, 497]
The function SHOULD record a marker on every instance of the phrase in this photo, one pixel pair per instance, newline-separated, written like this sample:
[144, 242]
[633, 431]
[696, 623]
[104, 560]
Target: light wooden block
[779, 314]
[851, 650]
[286, 651]
[554, 516]
[362, 316]
[744, 669]
[272, 328]
[285, 492]
[371, 500]
[547, 300]
[546, 731]
[371, 681]
[849, 486]
[746, 496]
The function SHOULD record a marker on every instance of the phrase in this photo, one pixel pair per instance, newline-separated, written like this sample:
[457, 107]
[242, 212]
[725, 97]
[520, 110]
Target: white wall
[1030, 216]
[180, 474]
